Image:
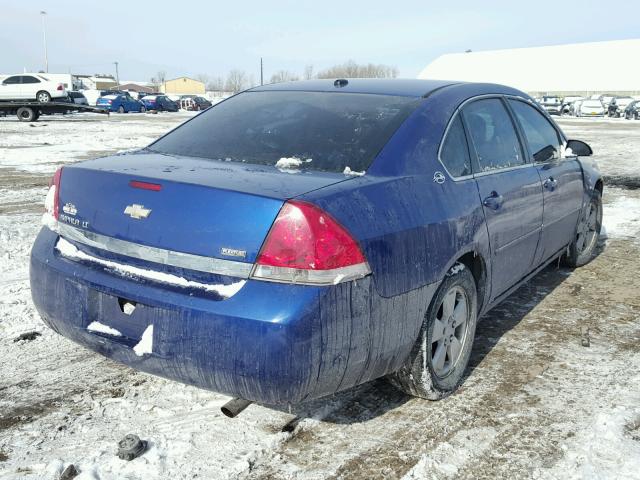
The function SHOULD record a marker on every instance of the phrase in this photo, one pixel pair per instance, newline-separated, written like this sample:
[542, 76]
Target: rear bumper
[271, 343]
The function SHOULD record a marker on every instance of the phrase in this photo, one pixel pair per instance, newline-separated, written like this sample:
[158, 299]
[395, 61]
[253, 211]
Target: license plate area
[126, 316]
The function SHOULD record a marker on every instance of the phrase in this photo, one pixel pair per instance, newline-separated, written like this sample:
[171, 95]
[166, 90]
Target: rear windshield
[334, 132]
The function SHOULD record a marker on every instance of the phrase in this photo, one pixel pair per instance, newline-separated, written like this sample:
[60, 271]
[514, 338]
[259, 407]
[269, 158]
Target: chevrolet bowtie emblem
[137, 211]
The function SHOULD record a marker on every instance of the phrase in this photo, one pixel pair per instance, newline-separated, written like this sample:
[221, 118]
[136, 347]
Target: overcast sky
[190, 37]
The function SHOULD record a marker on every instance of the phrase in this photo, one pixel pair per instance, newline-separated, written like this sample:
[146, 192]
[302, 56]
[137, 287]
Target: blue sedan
[302, 238]
[121, 104]
[160, 103]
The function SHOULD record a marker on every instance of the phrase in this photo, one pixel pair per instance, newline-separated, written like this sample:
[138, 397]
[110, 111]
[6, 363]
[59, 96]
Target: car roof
[380, 86]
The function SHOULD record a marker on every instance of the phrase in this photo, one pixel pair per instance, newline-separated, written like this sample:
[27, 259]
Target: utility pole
[117, 76]
[44, 38]
[261, 73]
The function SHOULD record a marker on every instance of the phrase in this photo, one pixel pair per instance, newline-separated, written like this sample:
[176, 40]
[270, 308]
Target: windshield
[310, 130]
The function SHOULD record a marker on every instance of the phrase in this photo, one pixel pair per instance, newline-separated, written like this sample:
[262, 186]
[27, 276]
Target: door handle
[493, 201]
[550, 184]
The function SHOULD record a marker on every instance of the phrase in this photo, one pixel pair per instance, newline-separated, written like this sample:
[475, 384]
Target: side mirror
[546, 154]
[578, 148]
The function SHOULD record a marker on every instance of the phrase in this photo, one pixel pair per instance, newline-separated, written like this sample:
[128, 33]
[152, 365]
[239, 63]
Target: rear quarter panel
[412, 229]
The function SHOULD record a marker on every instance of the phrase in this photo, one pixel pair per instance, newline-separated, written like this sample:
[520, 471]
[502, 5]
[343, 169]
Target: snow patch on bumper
[69, 250]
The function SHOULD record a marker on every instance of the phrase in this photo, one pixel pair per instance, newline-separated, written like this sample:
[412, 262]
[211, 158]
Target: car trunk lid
[214, 209]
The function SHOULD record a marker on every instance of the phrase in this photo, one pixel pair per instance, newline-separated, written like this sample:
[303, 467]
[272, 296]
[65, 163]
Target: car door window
[29, 79]
[454, 153]
[12, 80]
[541, 136]
[493, 134]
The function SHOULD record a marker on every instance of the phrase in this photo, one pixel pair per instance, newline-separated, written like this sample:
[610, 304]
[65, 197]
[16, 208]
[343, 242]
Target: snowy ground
[536, 403]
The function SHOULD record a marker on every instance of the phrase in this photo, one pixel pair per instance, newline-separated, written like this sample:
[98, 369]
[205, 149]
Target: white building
[581, 68]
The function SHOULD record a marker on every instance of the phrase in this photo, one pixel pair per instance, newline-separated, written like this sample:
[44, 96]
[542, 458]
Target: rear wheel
[43, 97]
[436, 366]
[120, 109]
[26, 114]
[587, 233]
[143, 109]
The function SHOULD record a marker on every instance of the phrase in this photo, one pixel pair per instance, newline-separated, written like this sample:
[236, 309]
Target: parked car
[77, 97]
[160, 103]
[632, 110]
[575, 107]
[31, 86]
[194, 103]
[121, 104]
[187, 103]
[552, 104]
[567, 104]
[591, 108]
[617, 106]
[202, 103]
[417, 208]
[604, 99]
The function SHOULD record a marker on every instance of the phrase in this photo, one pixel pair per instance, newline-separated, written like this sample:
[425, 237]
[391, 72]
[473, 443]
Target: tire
[143, 109]
[43, 97]
[581, 249]
[26, 114]
[426, 373]
[121, 109]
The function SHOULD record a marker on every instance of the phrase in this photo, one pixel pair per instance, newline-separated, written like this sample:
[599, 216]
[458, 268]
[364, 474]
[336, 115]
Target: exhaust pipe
[234, 407]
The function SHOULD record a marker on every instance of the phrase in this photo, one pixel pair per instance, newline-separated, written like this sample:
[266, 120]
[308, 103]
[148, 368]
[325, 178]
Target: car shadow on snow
[376, 398]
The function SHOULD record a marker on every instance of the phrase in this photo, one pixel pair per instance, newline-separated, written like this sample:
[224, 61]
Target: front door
[509, 189]
[561, 179]
[10, 88]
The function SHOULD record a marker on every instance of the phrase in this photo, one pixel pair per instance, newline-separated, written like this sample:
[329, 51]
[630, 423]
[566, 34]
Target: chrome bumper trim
[200, 263]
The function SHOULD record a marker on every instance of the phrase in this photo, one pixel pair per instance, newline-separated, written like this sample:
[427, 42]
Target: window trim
[466, 137]
[27, 77]
[472, 154]
[523, 150]
[561, 138]
[18, 77]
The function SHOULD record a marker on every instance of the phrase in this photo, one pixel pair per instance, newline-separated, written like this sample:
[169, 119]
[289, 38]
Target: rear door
[510, 191]
[30, 87]
[561, 178]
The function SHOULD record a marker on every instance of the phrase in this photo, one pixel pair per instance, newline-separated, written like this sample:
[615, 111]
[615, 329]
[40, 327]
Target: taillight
[306, 245]
[60, 87]
[52, 201]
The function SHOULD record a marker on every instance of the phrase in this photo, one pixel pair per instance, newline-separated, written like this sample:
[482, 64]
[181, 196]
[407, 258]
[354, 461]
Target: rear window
[310, 130]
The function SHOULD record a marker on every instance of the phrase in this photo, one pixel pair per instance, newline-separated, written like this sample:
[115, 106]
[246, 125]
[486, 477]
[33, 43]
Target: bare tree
[283, 76]
[353, 70]
[161, 76]
[236, 81]
[308, 72]
[203, 77]
[216, 84]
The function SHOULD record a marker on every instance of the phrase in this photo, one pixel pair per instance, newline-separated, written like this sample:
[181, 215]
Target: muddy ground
[536, 403]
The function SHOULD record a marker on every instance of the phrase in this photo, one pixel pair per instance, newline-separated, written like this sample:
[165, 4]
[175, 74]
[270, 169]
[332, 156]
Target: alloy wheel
[449, 331]
[587, 230]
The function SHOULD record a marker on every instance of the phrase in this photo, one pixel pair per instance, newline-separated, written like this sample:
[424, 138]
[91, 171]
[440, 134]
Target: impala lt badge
[137, 211]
